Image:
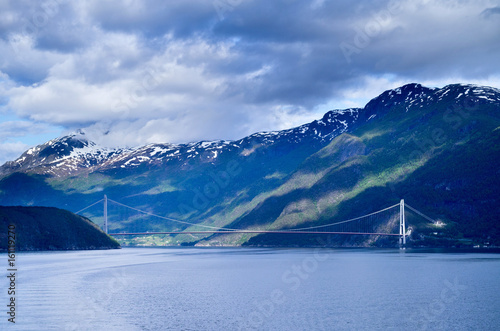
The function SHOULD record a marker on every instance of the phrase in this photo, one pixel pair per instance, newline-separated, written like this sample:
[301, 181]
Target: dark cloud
[225, 68]
[491, 11]
[154, 18]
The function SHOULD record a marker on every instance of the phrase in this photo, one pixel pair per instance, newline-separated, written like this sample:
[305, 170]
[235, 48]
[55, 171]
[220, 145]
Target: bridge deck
[251, 231]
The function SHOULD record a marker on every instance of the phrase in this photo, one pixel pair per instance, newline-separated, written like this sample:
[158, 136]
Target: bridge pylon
[402, 225]
[105, 214]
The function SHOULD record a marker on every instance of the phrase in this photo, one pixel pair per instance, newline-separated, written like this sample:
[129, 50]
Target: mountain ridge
[76, 151]
[436, 147]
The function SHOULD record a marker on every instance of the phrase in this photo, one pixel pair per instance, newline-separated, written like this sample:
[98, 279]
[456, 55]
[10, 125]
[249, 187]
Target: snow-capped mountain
[68, 154]
[74, 154]
[414, 96]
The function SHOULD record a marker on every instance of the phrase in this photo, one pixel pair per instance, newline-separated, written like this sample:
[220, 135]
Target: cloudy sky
[133, 72]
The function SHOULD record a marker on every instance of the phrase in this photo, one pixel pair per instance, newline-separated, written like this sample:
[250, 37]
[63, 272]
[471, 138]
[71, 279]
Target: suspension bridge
[365, 225]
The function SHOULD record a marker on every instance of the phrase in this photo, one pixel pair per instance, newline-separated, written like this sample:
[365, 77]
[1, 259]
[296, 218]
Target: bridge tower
[105, 214]
[402, 225]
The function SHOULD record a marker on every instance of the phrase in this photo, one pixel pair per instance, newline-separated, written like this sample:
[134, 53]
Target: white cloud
[11, 150]
[174, 72]
[9, 129]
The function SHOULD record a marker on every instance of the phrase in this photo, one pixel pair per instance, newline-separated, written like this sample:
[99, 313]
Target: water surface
[255, 289]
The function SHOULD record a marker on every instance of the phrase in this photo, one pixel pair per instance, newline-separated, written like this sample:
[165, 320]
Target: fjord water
[255, 289]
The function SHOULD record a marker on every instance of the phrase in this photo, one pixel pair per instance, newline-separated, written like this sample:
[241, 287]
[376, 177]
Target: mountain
[438, 148]
[75, 154]
[45, 228]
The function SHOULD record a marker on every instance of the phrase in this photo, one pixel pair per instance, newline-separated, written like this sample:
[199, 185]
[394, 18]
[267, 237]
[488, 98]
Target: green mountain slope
[443, 159]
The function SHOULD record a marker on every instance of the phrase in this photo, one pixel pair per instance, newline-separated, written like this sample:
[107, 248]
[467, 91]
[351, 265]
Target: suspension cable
[231, 229]
[349, 220]
[419, 213]
[95, 203]
[171, 219]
